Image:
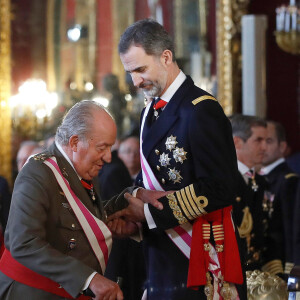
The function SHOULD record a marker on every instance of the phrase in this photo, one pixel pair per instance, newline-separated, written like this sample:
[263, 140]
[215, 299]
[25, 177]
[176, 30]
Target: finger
[120, 295]
[156, 204]
[116, 215]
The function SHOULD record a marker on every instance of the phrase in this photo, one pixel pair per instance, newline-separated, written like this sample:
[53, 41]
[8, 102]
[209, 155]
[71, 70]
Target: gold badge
[171, 143]
[174, 175]
[179, 155]
[164, 159]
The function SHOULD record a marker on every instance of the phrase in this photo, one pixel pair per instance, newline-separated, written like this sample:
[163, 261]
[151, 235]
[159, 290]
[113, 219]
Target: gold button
[156, 152]
[163, 181]
[238, 199]
[158, 168]
[73, 225]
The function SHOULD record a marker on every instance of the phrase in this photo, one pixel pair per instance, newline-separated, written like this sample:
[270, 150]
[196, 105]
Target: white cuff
[88, 281]
[149, 219]
[135, 192]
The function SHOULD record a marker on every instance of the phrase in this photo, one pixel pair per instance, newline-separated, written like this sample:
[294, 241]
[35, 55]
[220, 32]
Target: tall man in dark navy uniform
[187, 147]
[282, 184]
[251, 204]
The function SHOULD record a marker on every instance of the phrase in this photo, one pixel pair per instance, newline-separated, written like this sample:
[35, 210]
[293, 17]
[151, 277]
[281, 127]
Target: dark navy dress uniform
[190, 150]
[253, 244]
[282, 183]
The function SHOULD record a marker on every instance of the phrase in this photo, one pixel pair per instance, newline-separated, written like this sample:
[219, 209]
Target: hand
[105, 289]
[121, 228]
[134, 212]
[148, 196]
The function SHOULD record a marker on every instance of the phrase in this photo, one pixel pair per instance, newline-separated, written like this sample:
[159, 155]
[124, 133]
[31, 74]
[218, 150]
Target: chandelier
[32, 107]
[288, 27]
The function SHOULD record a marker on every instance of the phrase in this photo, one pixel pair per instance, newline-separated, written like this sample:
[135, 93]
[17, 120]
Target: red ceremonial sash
[16, 271]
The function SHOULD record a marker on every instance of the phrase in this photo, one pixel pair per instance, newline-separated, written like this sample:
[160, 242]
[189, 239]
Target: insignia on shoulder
[41, 156]
[179, 155]
[164, 159]
[171, 143]
[174, 175]
[205, 97]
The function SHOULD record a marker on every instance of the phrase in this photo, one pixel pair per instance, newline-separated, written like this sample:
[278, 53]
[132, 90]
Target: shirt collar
[267, 169]
[61, 150]
[171, 90]
[242, 168]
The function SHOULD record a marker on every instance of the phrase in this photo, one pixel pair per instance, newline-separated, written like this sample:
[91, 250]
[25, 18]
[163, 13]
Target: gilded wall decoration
[5, 87]
[229, 15]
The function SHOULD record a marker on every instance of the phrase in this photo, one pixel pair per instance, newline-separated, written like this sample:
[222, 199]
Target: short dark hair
[242, 125]
[149, 35]
[279, 131]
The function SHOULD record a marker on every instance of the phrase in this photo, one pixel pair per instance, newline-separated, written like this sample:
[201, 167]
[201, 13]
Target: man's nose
[107, 156]
[136, 79]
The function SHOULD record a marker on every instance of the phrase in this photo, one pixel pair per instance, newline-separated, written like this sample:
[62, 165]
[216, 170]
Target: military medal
[155, 113]
[254, 185]
[171, 143]
[164, 159]
[179, 155]
[174, 175]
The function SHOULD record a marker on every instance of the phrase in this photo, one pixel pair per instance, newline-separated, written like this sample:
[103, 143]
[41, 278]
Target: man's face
[129, 152]
[148, 72]
[274, 149]
[89, 156]
[252, 151]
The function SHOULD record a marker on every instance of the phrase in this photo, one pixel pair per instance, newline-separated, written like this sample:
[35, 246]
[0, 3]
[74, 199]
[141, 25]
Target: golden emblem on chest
[171, 143]
[179, 155]
[164, 159]
[174, 175]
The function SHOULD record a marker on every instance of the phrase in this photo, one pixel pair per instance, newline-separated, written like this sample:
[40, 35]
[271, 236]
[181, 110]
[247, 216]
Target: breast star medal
[171, 143]
[174, 175]
[179, 155]
[164, 159]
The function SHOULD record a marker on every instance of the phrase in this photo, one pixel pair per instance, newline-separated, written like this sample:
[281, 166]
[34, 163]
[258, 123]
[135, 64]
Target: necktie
[88, 185]
[158, 105]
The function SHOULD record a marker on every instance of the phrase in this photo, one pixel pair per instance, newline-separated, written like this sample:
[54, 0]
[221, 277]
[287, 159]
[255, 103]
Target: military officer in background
[251, 204]
[187, 147]
[282, 185]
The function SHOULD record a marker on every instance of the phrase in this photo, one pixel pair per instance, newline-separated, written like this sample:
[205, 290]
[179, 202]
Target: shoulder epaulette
[205, 97]
[287, 176]
[42, 156]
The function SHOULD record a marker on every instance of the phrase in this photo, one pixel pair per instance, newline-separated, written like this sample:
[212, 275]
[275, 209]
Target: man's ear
[166, 57]
[73, 142]
[283, 147]
[238, 142]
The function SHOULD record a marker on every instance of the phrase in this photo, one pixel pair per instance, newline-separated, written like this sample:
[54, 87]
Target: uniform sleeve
[214, 167]
[26, 236]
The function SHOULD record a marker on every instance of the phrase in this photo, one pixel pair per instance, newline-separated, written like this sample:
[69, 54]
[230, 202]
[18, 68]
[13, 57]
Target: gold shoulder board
[205, 97]
[287, 176]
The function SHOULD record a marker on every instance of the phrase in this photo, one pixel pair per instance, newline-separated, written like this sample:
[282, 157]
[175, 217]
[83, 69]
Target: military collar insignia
[179, 155]
[41, 156]
[164, 159]
[174, 175]
[171, 143]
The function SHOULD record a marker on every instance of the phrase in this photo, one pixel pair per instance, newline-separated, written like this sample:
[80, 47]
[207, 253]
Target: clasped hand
[125, 222]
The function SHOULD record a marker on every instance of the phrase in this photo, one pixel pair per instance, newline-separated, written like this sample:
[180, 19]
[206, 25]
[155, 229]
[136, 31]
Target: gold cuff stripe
[188, 193]
[206, 97]
[183, 206]
[176, 210]
[197, 200]
[287, 176]
[273, 267]
[288, 267]
[187, 204]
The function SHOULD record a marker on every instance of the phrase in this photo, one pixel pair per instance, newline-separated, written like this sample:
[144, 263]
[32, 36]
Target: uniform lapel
[158, 130]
